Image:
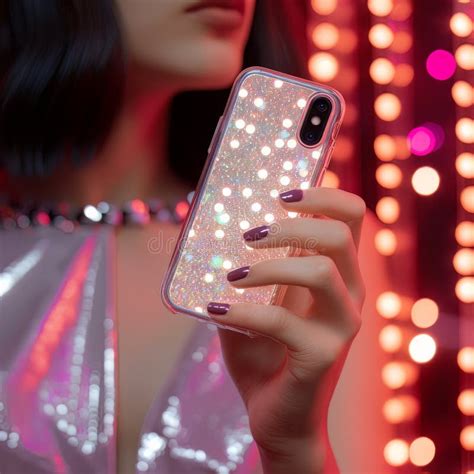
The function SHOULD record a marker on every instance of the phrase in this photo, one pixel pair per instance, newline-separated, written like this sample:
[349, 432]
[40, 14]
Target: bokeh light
[467, 438]
[466, 402]
[389, 175]
[391, 338]
[398, 374]
[388, 106]
[422, 451]
[385, 242]
[465, 165]
[465, 289]
[325, 36]
[385, 147]
[461, 25]
[425, 181]
[323, 66]
[465, 56]
[402, 42]
[380, 7]
[465, 130]
[422, 348]
[422, 141]
[424, 313]
[389, 304]
[381, 36]
[441, 64]
[396, 452]
[330, 179]
[463, 93]
[402, 10]
[403, 149]
[466, 359]
[382, 71]
[465, 233]
[388, 210]
[401, 408]
[467, 198]
[324, 7]
[463, 261]
[404, 74]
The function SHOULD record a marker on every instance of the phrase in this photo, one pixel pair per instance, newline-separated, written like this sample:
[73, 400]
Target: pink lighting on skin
[441, 64]
[425, 139]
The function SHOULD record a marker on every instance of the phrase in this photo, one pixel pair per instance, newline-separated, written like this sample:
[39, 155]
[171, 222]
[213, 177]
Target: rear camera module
[315, 121]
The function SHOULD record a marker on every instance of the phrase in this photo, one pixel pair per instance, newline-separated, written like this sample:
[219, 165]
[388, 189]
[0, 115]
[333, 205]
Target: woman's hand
[287, 378]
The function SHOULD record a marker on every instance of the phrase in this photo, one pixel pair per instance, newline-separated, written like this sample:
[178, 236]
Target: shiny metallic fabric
[58, 371]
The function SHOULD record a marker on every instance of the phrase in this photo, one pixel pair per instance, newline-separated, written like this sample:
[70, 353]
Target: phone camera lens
[310, 136]
[322, 106]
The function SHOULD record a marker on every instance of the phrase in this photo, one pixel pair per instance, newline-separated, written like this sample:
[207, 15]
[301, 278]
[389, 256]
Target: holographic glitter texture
[256, 154]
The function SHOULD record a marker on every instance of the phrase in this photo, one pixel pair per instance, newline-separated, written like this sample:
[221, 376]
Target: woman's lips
[219, 14]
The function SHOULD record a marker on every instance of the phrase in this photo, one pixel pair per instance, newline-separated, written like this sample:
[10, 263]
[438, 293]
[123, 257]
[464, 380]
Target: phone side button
[335, 130]
[214, 136]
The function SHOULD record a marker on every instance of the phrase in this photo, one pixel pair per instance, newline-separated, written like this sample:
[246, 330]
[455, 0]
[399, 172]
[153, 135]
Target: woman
[67, 138]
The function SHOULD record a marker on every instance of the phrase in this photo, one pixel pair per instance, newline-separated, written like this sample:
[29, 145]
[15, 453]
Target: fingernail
[238, 273]
[293, 195]
[218, 308]
[257, 233]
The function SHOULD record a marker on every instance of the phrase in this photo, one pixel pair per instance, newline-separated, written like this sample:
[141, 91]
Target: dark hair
[62, 76]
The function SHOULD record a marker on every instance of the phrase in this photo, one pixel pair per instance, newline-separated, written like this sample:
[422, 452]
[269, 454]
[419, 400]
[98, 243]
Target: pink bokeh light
[441, 64]
[425, 139]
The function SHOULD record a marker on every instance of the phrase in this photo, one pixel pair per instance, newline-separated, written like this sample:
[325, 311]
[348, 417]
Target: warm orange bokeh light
[381, 36]
[463, 261]
[402, 10]
[463, 93]
[396, 452]
[344, 149]
[465, 233]
[465, 130]
[324, 7]
[380, 7]
[424, 313]
[388, 106]
[388, 210]
[422, 451]
[398, 374]
[391, 338]
[401, 408]
[465, 289]
[466, 359]
[403, 75]
[389, 304]
[347, 40]
[403, 150]
[389, 175]
[465, 165]
[385, 147]
[325, 36]
[330, 179]
[385, 242]
[402, 42]
[467, 198]
[467, 438]
[465, 56]
[382, 71]
[425, 181]
[422, 348]
[466, 402]
[323, 66]
[461, 25]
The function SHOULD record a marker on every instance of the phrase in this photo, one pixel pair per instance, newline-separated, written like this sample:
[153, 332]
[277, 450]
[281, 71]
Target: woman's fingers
[324, 236]
[317, 273]
[334, 203]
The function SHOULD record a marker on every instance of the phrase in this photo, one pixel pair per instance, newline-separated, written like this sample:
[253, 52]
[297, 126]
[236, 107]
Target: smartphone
[276, 134]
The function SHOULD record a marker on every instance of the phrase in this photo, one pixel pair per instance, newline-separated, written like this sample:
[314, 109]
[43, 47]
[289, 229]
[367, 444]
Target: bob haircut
[62, 74]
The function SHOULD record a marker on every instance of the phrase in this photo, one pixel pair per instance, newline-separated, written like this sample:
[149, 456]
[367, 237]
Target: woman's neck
[133, 163]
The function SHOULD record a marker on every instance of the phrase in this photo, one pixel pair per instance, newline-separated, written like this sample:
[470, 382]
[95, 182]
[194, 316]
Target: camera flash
[315, 120]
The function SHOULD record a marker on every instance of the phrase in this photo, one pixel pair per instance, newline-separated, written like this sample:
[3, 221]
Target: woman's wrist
[302, 455]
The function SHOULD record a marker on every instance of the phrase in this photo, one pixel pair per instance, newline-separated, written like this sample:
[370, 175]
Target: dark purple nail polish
[257, 233]
[218, 308]
[293, 195]
[238, 273]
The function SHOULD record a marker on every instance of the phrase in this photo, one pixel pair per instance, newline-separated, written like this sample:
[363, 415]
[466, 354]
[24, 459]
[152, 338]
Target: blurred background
[406, 145]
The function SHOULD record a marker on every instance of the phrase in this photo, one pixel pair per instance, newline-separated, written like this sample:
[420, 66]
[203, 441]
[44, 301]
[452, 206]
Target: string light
[425, 181]
[400, 409]
[323, 66]
[396, 452]
[466, 402]
[385, 242]
[422, 451]
[466, 359]
[422, 348]
[388, 106]
[389, 304]
[424, 313]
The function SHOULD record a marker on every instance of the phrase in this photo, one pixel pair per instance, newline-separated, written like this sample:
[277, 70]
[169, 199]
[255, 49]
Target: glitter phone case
[254, 155]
